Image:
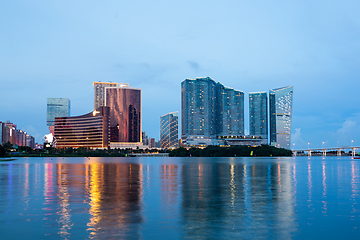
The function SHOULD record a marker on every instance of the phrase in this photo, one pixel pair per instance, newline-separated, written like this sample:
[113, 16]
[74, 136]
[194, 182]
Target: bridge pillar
[353, 152]
[309, 153]
[294, 153]
[339, 152]
[324, 152]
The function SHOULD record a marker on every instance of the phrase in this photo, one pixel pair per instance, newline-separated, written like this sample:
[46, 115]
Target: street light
[352, 142]
[308, 145]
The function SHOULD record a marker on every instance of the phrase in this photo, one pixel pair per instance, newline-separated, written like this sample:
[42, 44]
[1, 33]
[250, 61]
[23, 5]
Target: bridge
[324, 150]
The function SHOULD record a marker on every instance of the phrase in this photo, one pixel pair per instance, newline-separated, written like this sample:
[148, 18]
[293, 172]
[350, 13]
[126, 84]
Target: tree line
[232, 151]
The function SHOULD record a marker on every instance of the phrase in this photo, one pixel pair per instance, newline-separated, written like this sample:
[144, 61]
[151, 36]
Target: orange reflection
[64, 196]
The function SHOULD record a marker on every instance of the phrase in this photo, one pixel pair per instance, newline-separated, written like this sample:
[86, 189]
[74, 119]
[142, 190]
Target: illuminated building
[30, 141]
[229, 111]
[57, 107]
[210, 110]
[99, 93]
[198, 107]
[258, 114]
[90, 130]
[125, 114]
[280, 101]
[1, 132]
[9, 132]
[169, 137]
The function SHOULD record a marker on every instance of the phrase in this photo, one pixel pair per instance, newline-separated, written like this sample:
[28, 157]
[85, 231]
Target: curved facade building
[90, 130]
[169, 133]
[280, 101]
[125, 113]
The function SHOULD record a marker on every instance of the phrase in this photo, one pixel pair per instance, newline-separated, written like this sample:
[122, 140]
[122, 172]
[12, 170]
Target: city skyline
[58, 49]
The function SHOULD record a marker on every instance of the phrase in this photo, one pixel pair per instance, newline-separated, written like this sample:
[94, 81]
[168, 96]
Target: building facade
[198, 107]
[99, 93]
[210, 110]
[169, 130]
[280, 101]
[2, 132]
[258, 112]
[57, 107]
[125, 113]
[90, 130]
[229, 111]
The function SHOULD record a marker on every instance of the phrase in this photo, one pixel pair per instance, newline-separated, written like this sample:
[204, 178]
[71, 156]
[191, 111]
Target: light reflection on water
[141, 198]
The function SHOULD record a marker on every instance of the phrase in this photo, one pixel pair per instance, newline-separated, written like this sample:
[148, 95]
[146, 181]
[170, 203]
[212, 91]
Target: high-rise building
[90, 130]
[210, 110]
[280, 101]
[169, 130]
[198, 107]
[57, 107]
[1, 132]
[229, 111]
[99, 93]
[125, 113]
[258, 109]
[9, 132]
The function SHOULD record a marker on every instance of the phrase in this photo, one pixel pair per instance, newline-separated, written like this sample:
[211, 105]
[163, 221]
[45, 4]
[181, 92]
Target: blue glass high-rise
[229, 111]
[258, 109]
[198, 107]
[57, 107]
[209, 109]
[280, 101]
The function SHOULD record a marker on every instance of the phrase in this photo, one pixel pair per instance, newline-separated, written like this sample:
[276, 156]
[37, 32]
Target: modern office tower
[258, 114]
[280, 101]
[57, 107]
[169, 128]
[198, 107]
[125, 113]
[90, 130]
[229, 111]
[99, 93]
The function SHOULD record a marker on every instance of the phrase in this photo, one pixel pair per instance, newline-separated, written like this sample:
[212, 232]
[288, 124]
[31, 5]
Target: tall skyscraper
[229, 111]
[280, 101]
[99, 93]
[57, 107]
[210, 109]
[198, 107]
[258, 109]
[125, 113]
[169, 136]
[1, 132]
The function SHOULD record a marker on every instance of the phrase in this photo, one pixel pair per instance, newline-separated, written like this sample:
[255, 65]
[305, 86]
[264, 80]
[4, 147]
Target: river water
[180, 198]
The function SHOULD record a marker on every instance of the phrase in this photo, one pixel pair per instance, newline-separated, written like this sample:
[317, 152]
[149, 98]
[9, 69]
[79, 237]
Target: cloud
[347, 127]
[194, 66]
[296, 138]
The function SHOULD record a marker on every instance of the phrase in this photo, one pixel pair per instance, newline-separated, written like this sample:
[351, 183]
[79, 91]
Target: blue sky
[59, 48]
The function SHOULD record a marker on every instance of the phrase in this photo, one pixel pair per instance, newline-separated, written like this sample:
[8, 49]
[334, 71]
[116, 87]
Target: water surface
[180, 198]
